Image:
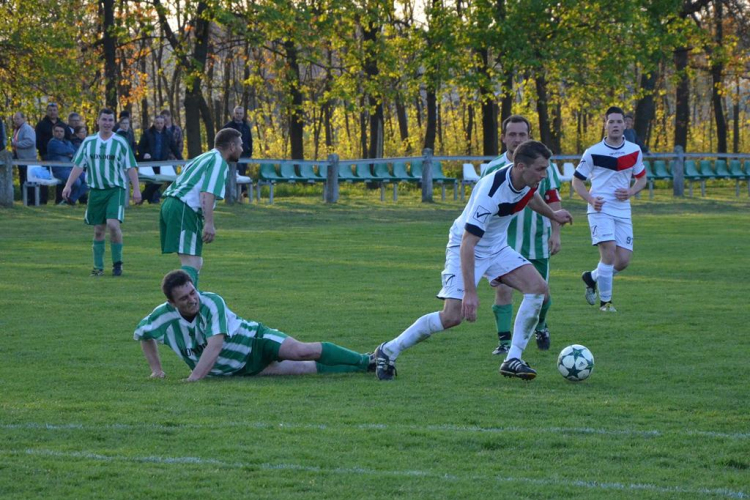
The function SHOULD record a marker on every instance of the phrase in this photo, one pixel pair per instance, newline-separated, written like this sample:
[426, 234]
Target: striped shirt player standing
[108, 162]
[610, 165]
[477, 247]
[186, 219]
[214, 341]
[530, 234]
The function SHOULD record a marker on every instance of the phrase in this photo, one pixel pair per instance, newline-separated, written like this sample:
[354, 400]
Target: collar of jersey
[510, 178]
[604, 141]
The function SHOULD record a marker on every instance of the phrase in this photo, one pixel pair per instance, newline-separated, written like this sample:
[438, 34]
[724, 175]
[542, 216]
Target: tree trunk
[370, 33]
[542, 108]
[489, 107]
[109, 45]
[403, 123]
[431, 128]
[469, 127]
[296, 118]
[682, 98]
[717, 76]
[736, 120]
[645, 108]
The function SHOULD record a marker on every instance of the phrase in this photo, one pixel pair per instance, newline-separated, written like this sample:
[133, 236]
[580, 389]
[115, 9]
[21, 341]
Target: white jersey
[493, 203]
[611, 168]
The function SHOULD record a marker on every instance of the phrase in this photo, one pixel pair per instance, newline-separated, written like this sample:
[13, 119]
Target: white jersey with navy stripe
[610, 168]
[488, 213]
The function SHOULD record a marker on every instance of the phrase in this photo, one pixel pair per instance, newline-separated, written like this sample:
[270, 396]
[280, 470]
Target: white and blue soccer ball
[575, 363]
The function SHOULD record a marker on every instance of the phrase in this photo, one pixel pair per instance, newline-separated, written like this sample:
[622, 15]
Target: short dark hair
[79, 128]
[613, 110]
[58, 125]
[225, 137]
[166, 113]
[515, 119]
[529, 151]
[174, 279]
[105, 111]
[124, 114]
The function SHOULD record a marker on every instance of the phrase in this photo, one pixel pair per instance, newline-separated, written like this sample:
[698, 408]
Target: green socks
[503, 317]
[116, 252]
[337, 359]
[193, 272]
[98, 254]
[543, 315]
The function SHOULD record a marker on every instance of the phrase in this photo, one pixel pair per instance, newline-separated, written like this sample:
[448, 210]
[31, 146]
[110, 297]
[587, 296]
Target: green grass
[664, 415]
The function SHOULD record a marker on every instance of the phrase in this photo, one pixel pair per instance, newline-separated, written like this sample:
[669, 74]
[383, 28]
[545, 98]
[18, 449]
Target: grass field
[666, 413]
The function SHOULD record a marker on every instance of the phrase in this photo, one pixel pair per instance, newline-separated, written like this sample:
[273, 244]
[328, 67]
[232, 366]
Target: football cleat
[590, 287]
[95, 273]
[515, 367]
[372, 363]
[117, 269]
[502, 348]
[608, 307]
[385, 368]
[542, 338]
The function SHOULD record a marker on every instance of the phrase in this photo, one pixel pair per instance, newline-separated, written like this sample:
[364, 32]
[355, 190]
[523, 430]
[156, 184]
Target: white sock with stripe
[604, 282]
[526, 319]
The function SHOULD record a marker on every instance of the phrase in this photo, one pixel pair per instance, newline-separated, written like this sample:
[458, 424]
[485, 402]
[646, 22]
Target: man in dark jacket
[43, 136]
[61, 149]
[156, 144]
[240, 123]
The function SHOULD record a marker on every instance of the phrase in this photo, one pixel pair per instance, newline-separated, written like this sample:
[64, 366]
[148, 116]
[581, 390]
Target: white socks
[526, 319]
[416, 333]
[604, 273]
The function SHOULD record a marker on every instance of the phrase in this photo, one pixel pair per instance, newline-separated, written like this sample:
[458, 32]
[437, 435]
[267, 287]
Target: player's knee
[451, 318]
[539, 287]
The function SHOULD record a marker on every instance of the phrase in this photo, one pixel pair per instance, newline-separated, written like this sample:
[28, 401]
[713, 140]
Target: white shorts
[493, 267]
[608, 228]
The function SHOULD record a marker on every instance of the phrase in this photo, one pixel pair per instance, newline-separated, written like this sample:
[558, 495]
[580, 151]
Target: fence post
[678, 172]
[230, 192]
[332, 179]
[6, 179]
[427, 176]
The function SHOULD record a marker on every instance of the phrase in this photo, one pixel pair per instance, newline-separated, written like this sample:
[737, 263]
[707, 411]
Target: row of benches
[699, 172]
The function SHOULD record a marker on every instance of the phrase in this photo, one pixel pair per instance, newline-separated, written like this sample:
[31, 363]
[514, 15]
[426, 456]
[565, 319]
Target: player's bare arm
[538, 205]
[207, 205]
[555, 241]
[208, 358]
[470, 302]
[580, 188]
[133, 174]
[623, 194]
[74, 175]
[151, 352]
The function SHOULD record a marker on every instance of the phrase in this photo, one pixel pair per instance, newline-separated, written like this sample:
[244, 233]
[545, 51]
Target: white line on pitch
[385, 427]
[723, 492]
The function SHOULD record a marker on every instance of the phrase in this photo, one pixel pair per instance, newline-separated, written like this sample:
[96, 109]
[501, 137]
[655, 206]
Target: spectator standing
[61, 149]
[240, 124]
[175, 131]
[23, 144]
[74, 120]
[630, 134]
[156, 144]
[125, 130]
[108, 159]
[44, 129]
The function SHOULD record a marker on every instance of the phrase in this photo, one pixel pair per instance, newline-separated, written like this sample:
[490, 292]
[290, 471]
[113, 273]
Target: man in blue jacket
[61, 149]
[156, 144]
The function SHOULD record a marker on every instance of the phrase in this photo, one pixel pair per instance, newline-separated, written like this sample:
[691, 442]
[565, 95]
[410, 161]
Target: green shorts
[105, 204]
[542, 265]
[265, 350]
[180, 228]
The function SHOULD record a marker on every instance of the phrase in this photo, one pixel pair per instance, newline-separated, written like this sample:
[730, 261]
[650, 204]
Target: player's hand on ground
[622, 194]
[159, 374]
[209, 233]
[598, 203]
[554, 244]
[469, 306]
[563, 217]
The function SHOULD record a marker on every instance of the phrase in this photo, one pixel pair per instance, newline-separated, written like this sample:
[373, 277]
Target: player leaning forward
[610, 165]
[186, 219]
[107, 159]
[477, 247]
[212, 340]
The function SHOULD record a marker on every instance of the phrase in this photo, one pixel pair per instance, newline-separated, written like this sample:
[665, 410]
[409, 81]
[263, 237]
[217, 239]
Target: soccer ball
[575, 363]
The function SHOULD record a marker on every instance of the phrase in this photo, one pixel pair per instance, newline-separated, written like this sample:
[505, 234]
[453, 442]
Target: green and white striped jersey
[106, 162]
[189, 339]
[205, 174]
[529, 232]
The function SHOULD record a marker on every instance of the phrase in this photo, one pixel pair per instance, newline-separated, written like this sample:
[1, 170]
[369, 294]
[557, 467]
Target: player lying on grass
[212, 340]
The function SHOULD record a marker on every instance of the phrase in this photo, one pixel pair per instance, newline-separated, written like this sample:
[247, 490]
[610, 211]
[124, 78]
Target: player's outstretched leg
[541, 332]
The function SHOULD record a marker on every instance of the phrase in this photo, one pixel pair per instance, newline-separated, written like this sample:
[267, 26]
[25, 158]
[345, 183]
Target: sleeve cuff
[472, 229]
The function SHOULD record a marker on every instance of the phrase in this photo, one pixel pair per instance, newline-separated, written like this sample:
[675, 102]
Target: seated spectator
[79, 134]
[61, 149]
[156, 144]
[124, 129]
[74, 120]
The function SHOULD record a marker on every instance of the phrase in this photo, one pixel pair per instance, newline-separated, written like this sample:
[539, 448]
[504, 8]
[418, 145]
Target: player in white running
[610, 165]
[478, 247]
